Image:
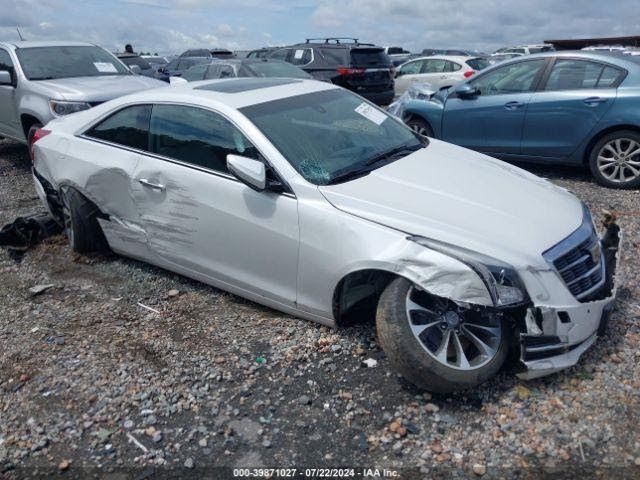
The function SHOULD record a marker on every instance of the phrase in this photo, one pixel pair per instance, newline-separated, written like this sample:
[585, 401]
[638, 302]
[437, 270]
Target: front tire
[419, 126]
[614, 160]
[436, 344]
[81, 222]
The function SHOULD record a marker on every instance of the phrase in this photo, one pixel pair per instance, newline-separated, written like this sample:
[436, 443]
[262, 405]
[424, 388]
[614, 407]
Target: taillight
[393, 71]
[39, 134]
[469, 73]
[350, 71]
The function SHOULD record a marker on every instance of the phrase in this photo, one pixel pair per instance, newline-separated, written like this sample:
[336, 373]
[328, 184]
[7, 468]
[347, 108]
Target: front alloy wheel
[456, 336]
[436, 343]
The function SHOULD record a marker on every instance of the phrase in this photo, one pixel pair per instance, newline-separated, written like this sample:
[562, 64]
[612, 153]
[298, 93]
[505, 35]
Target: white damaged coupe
[304, 197]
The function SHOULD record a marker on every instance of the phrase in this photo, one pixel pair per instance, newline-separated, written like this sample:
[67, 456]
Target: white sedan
[438, 71]
[303, 196]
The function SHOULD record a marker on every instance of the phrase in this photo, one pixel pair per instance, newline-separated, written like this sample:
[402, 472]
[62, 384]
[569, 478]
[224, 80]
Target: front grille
[578, 260]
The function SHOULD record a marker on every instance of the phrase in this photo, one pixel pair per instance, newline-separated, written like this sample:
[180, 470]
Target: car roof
[234, 93]
[453, 58]
[611, 57]
[46, 43]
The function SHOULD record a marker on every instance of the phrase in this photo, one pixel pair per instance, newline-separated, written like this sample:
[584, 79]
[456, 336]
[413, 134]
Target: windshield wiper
[366, 168]
[392, 153]
[43, 78]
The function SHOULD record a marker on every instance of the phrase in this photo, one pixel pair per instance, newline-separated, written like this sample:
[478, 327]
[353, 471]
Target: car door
[9, 121]
[408, 74]
[452, 74]
[201, 219]
[109, 154]
[433, 72]
[492, 120]
[562, 114]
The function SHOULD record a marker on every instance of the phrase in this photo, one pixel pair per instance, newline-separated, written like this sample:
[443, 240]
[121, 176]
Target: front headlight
[502, 281]
[60, 108]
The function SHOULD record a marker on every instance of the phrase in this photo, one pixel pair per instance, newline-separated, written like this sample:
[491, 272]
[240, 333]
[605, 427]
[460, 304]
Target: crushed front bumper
[548, 340]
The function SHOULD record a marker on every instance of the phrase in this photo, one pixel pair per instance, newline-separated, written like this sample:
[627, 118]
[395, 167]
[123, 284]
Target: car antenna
[19, 34]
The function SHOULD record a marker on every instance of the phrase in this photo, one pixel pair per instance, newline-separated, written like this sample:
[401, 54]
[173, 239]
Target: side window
[452, 67]
[609, 77]
[5, 61]
[226, 71]
[128, 127]
[213, 71]
[172, 65]
[280, 54]
[301, 56]
[433, 66]
[411, 68]
[512, 78]
[335, 56]
[578, 74]
[196, 136]
[195, 73]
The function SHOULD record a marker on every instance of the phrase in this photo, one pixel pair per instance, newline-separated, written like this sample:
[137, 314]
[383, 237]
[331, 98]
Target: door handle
[513, 105]
[593, 101]
[154, 186]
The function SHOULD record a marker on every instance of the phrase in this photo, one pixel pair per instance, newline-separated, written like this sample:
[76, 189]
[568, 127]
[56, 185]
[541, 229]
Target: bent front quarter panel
[335, 243]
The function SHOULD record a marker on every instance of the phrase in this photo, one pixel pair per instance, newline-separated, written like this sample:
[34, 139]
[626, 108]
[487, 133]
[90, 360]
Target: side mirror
[249, 171]
[5, 78]
[135, 69]
[466, 91]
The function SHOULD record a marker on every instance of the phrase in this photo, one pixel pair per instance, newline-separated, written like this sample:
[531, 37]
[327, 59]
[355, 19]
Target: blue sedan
[572, 108]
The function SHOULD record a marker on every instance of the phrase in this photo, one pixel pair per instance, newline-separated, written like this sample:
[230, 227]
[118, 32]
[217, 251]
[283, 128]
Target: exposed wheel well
[355, 299]
[599, 135]
[27, 122]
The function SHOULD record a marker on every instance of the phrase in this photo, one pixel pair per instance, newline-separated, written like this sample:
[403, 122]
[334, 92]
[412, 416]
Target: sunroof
[238, 85]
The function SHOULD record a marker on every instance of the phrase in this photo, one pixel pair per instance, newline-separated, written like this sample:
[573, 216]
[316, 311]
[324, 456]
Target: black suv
[360, 67]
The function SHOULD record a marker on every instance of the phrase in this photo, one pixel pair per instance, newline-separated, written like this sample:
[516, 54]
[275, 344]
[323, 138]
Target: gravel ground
[214, 380]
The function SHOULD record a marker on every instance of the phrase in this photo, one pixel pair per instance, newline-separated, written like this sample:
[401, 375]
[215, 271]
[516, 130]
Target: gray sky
[175, 25]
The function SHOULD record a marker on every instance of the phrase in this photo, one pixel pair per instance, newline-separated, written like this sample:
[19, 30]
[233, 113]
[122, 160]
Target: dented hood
[98, 88]
[464, 198]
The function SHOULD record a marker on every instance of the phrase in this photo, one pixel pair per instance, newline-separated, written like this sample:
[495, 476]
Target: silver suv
[40, 81]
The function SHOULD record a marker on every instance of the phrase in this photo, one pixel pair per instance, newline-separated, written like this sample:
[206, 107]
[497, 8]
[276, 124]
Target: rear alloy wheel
[437, 344]
[419, 126]
[615, 160]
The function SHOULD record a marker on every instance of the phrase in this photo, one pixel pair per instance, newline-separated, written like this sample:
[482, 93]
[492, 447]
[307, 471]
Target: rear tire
[614, 160]
[81, 223]
[419, 126]
[409, 354]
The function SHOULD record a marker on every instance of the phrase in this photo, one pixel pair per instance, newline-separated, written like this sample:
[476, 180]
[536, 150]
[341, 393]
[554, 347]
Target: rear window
[478, 63]
[369, 57]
